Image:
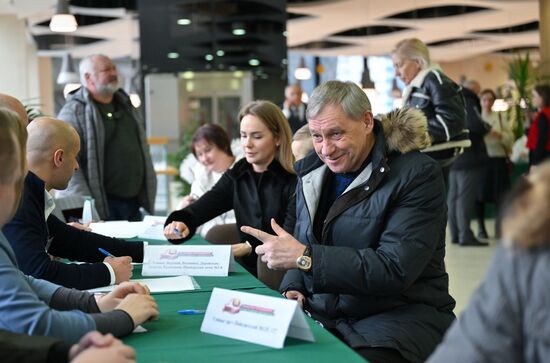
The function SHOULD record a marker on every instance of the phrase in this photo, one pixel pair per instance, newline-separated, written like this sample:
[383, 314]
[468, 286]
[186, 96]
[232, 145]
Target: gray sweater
[507, 319]
[38, 307]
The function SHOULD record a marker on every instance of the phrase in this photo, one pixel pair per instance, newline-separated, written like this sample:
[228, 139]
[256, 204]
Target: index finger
[260, 235]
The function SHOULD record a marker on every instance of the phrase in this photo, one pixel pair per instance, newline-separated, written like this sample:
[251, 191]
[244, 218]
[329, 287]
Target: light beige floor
[466, 267]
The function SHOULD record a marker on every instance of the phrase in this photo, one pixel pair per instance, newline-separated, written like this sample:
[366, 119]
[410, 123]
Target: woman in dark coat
[259, 187]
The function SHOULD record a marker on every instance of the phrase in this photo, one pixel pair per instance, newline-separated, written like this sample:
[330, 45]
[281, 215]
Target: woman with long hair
[259, 187]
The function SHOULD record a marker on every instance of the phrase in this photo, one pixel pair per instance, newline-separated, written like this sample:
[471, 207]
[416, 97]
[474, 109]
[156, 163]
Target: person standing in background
[465, 173]
[538, 138]
[495, 181]
[293, 107]
[115, 164]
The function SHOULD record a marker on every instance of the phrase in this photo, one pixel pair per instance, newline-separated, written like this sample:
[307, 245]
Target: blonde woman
[259, 187]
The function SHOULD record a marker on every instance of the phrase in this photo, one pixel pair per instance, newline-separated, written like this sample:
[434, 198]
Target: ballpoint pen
[191, 312]
[106, 253]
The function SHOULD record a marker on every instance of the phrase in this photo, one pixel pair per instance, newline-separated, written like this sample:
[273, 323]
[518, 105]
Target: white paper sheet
[154, 228]
[119, 229]
[162, 284]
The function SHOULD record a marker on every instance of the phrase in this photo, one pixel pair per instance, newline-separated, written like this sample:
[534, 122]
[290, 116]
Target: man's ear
[369, 120]
[58, 156]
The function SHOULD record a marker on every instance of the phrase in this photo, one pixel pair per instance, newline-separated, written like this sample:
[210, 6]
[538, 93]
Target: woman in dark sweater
[259, 187]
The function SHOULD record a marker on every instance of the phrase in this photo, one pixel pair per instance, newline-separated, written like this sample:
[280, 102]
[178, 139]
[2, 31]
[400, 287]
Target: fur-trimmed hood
[406, 130]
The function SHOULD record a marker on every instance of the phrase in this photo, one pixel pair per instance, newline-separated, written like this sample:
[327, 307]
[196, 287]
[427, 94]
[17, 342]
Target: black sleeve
[28, 235]
[79, 245]
[539, 153]
[449, 118]
[211, 204]
[19, 348]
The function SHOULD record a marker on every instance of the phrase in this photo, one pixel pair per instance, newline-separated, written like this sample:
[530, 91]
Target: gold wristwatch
[304, 261]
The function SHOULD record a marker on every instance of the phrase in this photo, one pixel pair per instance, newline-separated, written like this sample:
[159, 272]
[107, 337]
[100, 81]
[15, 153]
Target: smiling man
[366, 258]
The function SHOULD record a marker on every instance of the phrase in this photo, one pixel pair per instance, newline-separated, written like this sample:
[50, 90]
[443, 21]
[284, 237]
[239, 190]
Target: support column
[544, 31]
[18, 60]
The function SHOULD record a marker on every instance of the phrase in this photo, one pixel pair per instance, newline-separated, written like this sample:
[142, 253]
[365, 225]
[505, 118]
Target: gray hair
[87, 66]
[348, 95]
[415, 49]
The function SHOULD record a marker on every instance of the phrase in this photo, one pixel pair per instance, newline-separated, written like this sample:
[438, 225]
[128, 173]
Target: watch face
[304, 263]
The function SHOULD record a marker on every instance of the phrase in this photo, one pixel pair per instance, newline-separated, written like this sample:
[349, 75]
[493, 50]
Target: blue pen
[191, 312]
[106, 253]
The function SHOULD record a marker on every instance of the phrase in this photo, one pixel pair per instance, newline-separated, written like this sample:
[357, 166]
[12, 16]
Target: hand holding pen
[122, 266]
[176, 230]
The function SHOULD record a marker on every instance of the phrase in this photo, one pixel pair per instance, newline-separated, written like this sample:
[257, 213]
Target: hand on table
[95, 347]
[140, 307]
[84, 227]
[176, 230]
[111, 300]
[295, 295]
[279, 251]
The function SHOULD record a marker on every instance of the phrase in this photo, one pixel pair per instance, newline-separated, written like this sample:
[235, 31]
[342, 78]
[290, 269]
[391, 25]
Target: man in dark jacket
[366, 258]
[34, 232]
[466, 172]
[116, 166]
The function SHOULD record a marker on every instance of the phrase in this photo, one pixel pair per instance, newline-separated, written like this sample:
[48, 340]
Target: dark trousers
[371, 354]
[123, 209]
[463, 187]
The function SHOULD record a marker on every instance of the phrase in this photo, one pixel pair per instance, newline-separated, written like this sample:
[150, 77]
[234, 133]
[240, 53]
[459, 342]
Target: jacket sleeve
[73, 113]
[290, 214]
[17, 348]
[216, 201]
[22, 311]
[539, 153]
[449, 118]
[411, 234]
[490, 329]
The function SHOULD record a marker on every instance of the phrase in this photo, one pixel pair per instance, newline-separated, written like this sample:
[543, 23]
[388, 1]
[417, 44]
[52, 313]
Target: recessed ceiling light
[254, 62]
[209, 57]
[184, 21]
[173, 55]
[220, 53]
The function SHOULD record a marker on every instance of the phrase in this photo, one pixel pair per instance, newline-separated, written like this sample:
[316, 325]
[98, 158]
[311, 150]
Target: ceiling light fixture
[366, 82]
[238, 29]
[67, 73]
[183, 21]
[302, 73]
[173, 55]
[63, 21]
[254, 62]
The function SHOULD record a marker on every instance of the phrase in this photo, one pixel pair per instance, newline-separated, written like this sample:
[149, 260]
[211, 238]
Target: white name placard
[255, 318]
[207, 260]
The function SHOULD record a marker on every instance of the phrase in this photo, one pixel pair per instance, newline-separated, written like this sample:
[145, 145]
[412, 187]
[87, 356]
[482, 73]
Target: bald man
[52, 148]
[14, 105]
